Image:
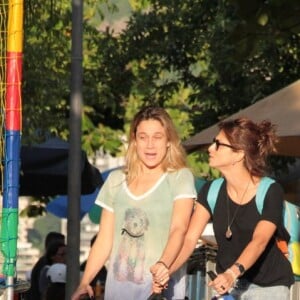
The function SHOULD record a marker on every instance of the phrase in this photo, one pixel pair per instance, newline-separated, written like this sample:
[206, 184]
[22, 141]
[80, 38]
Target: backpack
[292, 224]
[288, 237]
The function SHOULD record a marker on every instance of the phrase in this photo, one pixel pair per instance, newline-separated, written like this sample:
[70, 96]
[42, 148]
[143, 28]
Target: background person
[56, 253]
[146, 210]
[56, 275]
[246, 239]
[34, 292]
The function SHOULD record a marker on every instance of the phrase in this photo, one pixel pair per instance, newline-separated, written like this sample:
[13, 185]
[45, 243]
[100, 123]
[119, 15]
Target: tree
[46, 87]
[201, 59]
[222, 52]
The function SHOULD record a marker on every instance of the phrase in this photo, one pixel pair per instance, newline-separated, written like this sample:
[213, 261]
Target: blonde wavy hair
[175, 158]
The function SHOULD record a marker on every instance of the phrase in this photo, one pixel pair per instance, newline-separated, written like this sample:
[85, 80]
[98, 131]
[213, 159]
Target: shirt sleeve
[183, 184]
[273, 205]
[112, 184]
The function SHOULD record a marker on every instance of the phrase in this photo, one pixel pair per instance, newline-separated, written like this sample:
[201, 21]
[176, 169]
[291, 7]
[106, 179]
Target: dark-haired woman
[249, 263]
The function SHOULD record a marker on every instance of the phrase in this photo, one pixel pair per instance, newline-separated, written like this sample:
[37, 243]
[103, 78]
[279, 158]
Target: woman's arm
[98, 255]
[182, 210]
[263, 232]
[197, 225]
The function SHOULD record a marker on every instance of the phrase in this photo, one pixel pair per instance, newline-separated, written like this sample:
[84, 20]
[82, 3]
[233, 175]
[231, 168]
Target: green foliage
[138, 5]
[36, 207]
[200, 59]
[47, 66]
[198, 161]
[110, 139]
[260, 51]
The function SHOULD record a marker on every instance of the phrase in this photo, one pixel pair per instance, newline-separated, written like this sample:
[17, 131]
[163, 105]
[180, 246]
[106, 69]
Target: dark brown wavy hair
[257, 140]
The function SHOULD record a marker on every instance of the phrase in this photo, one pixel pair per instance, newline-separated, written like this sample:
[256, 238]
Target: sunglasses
[218, 144]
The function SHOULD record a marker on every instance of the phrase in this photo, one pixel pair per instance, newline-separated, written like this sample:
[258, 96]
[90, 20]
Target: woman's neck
[241, 186]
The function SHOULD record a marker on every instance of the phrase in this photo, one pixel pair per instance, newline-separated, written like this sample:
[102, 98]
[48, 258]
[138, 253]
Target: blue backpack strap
[199, 182]
[213, 192]
[263, 187]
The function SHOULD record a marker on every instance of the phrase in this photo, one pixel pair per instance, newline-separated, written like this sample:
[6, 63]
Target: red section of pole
[13, 106]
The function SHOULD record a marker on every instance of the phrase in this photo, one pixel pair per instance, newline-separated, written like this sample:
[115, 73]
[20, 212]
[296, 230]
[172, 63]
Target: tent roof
[281, 108]
[44, 170]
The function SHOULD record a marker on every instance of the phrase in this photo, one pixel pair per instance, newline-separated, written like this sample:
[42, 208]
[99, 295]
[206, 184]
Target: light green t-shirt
[141, 229]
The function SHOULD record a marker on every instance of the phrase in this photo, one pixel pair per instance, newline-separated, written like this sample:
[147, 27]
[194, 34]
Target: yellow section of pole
[15, 26]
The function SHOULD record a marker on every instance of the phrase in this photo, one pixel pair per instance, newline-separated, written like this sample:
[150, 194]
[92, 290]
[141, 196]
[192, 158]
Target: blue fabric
[59, 206]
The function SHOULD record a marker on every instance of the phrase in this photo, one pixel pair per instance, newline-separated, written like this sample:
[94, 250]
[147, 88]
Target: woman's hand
[83, 290]
[223, 283]
[161, 276]
[157, 288]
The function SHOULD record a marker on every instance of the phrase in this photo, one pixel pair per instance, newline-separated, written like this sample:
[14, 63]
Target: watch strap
[240, 267]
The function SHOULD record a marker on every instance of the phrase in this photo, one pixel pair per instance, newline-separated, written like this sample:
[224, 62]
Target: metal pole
[10, 289]
[12, 140]
[74, 165]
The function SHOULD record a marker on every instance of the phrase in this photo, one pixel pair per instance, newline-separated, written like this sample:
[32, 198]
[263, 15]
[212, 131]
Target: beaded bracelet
[163, 263]
[229, 271]
[234, 276]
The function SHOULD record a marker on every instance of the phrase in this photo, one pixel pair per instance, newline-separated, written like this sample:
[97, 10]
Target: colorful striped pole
[13, 126]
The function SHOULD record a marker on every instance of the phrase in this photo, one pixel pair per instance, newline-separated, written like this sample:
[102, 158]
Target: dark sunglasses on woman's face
[218, 144]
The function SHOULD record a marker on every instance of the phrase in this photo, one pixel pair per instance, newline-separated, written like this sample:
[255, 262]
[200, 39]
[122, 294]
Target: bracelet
[234, 276]
[163, 263]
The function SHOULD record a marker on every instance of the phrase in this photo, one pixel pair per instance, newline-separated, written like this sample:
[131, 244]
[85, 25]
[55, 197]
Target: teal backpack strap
[213, 192]
[263, 187]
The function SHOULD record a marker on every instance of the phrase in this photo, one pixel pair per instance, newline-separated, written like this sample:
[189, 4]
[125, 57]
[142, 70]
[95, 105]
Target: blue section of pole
[11, 169]
[9, 226]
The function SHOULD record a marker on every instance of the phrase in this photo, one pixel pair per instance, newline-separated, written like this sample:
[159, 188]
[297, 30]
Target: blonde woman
[146, 211]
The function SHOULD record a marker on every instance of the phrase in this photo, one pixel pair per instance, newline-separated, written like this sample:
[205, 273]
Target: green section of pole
[9, 236]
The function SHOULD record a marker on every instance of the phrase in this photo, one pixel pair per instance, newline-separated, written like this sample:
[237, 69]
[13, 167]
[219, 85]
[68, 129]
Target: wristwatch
[240, 267]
